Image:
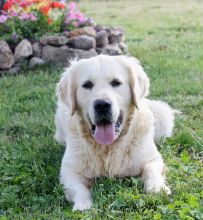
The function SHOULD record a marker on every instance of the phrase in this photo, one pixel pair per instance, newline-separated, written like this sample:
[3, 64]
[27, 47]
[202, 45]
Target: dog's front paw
[82, 205]
[157, 189]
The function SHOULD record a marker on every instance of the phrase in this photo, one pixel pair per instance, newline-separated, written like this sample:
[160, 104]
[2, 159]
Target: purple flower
[3, 18]
[72, 6]
[24, 16]
[14, 14]
[30, 16]
[70, 16]
[15, 36]
[33, 17]
[80, 17]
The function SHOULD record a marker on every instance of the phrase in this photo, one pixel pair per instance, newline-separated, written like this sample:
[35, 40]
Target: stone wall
[60, 48]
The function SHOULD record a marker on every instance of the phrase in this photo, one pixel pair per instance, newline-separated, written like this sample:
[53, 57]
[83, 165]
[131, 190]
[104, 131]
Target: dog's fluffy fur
[133, 152]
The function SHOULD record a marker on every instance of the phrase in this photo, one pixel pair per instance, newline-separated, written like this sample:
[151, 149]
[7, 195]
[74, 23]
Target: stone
[12, 71]
[23, 64]
[23, 50]
[37, 49]
[123, 47]
[63, 54]
[112, 50]
[84, 54]
[98, 50]
[83, 31]
[36, 61]
[6, 56]
[76, 33]
[102, 38]
[55, 40]
[90, 31]
[116, 36]
[66, 34]
[82, 42]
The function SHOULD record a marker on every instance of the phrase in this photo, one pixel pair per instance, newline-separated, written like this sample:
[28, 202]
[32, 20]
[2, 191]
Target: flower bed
[34, 32]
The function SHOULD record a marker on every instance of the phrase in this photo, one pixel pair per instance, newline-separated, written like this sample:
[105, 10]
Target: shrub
[33, 18]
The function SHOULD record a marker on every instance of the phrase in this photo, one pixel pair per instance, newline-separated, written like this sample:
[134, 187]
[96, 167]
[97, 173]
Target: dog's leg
[59, 134]
[76, 188]
[153, 176]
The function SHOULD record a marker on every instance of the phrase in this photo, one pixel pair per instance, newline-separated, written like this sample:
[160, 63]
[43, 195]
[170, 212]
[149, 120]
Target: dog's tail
[164, 116]
[177, 112]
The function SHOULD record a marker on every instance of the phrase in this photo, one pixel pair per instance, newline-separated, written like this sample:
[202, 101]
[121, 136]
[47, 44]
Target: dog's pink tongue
[104, 134]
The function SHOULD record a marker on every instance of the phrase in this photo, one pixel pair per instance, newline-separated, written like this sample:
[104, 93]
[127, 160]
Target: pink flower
[30, 16]
[23, 4]
[74, 16]
[80, 17]
[71, 16]
[33, 17]
[75, 23]
[14, 14]
[3, 18]
[24, 16]
[72, 6]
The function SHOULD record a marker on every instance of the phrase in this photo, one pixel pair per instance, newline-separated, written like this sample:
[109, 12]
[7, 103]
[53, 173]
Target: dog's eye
[115, 83]
[88, 85]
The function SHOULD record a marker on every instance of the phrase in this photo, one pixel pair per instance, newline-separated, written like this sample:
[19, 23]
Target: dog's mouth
[106, 131]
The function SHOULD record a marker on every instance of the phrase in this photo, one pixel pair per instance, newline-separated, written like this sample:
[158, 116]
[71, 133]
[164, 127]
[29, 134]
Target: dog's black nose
[102, 106]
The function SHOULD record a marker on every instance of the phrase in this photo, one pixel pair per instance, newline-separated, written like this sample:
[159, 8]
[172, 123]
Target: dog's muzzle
[104, 129]
[103, 111]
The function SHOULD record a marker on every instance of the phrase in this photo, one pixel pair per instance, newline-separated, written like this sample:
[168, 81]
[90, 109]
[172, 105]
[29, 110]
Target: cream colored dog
[108, 126]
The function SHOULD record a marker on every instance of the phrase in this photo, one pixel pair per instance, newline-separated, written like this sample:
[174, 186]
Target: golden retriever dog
[108, 126]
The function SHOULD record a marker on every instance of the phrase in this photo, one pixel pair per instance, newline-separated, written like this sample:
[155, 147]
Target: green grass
[167, 37]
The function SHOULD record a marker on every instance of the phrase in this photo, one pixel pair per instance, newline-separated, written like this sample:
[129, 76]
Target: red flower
[36, 1]
[58, 5]
[50, 21]
[7, 6]
[23, 4]
[45, 10]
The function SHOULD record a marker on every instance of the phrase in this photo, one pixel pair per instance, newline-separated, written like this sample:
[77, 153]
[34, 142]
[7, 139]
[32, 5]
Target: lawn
[167, 37]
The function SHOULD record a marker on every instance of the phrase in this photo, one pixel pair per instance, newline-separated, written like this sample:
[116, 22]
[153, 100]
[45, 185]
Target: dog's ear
[66, 90]
[139, 82]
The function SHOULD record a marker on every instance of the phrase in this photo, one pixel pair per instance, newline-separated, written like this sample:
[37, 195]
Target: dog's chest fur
[123, 158]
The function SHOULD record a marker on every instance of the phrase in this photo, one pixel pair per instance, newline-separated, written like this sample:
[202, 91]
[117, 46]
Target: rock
[66, 34]
[100, 27]
[102, 38]
[123, 47]
[76, 33]
[23, 64]
[83, 31]
[84, 54]
[6, 56]
[23, 50]
[98, 50]
[37, 49]
[63, 54]
[116, 36]
[112, 50]
[53, 54]
[12, 71]
[90, 31]
[82, 42]
[55, 40]
[35, 61]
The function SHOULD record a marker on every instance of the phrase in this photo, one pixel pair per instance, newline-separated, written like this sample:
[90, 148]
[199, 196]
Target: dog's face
[102, 88]
[103, 95]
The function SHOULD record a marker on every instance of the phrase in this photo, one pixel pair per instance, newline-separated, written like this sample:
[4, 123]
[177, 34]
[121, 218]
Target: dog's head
[102, 89]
